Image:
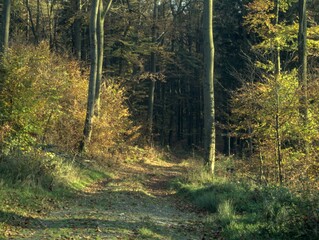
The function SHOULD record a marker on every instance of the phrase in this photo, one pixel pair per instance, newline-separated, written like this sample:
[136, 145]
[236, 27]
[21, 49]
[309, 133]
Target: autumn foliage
[43, 102]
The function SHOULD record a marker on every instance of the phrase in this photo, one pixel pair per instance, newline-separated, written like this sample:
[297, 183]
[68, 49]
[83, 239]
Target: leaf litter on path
[136, 204]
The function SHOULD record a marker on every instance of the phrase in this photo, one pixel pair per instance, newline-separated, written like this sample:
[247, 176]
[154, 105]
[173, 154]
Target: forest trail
[137, 203]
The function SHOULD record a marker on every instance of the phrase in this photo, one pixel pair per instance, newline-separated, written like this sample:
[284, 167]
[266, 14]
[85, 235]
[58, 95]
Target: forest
[159, 119]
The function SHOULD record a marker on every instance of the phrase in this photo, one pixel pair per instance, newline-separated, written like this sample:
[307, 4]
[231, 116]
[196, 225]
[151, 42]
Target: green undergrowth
[33, 183]
[244, 210]
[145, 233]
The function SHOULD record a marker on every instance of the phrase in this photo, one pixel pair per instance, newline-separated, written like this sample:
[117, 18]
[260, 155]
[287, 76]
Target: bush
[34, 84]
[113, 131]
[43, 100]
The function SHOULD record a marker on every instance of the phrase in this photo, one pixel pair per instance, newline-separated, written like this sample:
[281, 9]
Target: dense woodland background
[152, 79]
[266, 83]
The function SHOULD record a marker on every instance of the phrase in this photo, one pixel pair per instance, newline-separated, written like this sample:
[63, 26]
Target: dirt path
[136, 204]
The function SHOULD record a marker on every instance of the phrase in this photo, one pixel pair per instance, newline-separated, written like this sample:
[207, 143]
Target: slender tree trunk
[77, 36]
[302, 70]
[277, 73]
[93, 73]
[50, 12]
[209, 105]
[27, 29]
[37, 26]
[98, 14]
[153, 70]
[190, 114]
[100, 37]
[34, 28]
[55, 21]
[171, 116]
[100, 44]
[198, 122]
[100, 34]
[4, 38]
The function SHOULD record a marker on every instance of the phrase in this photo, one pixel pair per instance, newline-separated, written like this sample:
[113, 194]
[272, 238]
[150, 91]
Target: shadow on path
[137, 198]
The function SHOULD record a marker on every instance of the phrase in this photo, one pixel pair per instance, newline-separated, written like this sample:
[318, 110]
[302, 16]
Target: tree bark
[4, 38]
[50, 12]
[37, 26]
[277, 73]
[34, 28]
[302, 70]
[153, 70]
[93, 73]
[98, 14]
[209, 104]
[100, 47]
[100, 38]
[77, 26]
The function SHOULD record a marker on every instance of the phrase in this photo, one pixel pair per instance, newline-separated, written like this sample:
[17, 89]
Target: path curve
[136, 204]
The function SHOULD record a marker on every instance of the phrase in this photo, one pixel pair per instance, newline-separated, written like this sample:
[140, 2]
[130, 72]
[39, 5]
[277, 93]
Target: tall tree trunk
[100, 37]
[277, 73]
[100, 47]
[153, 70]
[34, 28]
[50, 12]
[98, 14]
[302, 70]
[93, 73]
[77, 26]
[164, 114]
[209, 104]
[4, 38]
[37, 26]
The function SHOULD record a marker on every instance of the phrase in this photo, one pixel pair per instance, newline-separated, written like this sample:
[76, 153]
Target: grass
[244, 210]
[32, 184]
[146, 233]
[123, 207]
[36, 182]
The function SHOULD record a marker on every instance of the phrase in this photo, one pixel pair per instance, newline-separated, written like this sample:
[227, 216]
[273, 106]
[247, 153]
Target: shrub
[113, 130]
[34, 84]
[43, 100]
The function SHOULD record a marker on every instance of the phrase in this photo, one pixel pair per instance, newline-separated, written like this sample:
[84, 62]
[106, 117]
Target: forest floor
[137, 202]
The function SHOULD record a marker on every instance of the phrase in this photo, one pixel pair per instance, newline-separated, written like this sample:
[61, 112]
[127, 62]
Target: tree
[153, 70]
[77, 26]
[4, 38]
[97, 16]
[35, 27]
[209, 106]
[100, 51]
[87, 132]
[302, 62]
[277, 71]
[273, 104]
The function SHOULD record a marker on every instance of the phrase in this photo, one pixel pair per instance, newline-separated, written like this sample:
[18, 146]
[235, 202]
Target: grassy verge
[32, 184]
[244, 210]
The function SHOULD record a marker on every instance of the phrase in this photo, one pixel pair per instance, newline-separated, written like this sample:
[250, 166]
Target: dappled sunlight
[136, 201]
